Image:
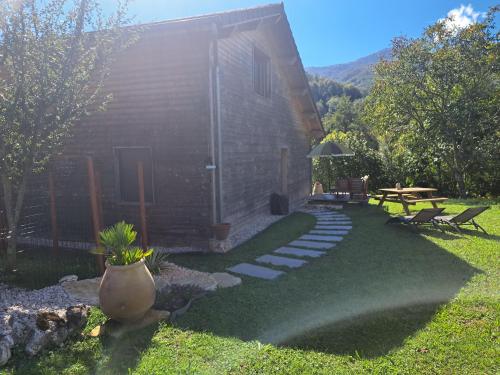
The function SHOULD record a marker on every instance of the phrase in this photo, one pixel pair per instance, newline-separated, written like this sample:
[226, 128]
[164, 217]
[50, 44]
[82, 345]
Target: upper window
[128, 183]
[261, 73]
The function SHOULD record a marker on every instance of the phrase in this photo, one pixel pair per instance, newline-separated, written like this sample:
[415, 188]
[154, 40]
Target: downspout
[215, 130]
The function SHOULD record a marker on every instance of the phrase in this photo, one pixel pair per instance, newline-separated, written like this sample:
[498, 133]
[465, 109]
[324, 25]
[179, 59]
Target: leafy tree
[54, 58]
[366, 161]
[323, 89]
[438, 101]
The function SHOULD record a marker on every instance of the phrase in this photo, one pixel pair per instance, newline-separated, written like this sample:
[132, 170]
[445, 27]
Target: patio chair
[359, 188]
[423, 217]
[341, 187]
[464, 218]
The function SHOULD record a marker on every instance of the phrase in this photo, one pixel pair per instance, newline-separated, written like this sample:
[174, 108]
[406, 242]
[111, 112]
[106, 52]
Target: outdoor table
[404, 196]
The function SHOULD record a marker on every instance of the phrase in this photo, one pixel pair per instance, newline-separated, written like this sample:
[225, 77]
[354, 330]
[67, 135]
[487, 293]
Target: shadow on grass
[38, 267]
[369, 335]
[376, 288]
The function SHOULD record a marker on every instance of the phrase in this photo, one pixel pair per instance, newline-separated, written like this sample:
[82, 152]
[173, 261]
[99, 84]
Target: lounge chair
[464, 218]
[423, 217]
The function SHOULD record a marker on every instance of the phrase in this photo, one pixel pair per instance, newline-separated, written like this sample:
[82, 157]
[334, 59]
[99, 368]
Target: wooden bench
[436, 199]
[392, 196]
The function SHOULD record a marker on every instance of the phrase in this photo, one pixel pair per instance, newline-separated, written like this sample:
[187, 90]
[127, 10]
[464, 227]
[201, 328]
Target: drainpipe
[215, 130]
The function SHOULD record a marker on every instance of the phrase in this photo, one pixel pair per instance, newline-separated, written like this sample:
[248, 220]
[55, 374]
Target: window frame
[258, 53]
[116, 154]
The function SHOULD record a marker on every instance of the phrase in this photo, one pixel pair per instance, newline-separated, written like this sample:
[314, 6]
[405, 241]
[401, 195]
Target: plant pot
[221, 231]
[126, 293]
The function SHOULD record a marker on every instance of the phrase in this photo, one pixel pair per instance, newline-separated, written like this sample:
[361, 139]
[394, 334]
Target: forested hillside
[358, 73]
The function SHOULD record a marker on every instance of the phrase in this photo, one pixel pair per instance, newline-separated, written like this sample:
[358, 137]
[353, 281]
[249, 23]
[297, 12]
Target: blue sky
[326, 31]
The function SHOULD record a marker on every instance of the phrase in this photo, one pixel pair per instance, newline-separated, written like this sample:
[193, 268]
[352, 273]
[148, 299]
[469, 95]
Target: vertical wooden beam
[53, 215]
[3, 232]
[142, 205]
[98, 187]
[95, 209]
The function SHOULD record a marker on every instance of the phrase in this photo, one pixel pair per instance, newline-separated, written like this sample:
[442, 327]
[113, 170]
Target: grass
[385, 300]
[45, 268]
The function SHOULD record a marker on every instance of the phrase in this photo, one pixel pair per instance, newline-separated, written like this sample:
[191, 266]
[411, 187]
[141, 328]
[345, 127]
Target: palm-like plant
[116, 244]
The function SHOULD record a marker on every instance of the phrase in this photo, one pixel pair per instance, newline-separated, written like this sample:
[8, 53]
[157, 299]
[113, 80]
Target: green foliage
[436, 107]
[323, 89]
[155, 260]
[366, 161]
[117, 243]
[52, 70]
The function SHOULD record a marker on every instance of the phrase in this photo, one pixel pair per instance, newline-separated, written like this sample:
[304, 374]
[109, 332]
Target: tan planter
[126, 292]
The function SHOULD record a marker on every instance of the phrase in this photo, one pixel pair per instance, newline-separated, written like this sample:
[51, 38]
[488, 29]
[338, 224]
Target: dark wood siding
[255, 129]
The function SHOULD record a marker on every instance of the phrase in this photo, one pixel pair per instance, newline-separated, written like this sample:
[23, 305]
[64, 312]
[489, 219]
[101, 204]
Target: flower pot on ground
[221, 231]
[127, 289]
[127, 292]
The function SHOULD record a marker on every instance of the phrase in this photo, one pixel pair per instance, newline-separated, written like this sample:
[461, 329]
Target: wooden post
[53, 215]
[98, 187]
[95, 209]
[142, 205]
[3, 233]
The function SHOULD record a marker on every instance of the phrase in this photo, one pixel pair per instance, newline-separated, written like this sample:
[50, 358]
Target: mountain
[357, 73]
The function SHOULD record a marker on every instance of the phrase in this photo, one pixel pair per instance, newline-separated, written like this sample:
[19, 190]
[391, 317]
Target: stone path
[255, 271]
[330, 228]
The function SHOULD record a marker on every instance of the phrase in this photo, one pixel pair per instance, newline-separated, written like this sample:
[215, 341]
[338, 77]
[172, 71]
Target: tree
[439, 98]
[55, 56]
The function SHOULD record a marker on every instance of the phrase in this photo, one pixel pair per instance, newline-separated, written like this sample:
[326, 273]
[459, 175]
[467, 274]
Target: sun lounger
[464, 218]
[423, 217]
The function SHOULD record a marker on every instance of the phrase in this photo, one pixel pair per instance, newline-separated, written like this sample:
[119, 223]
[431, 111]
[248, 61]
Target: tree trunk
[458, 174]
[10, 261]
[13, 208]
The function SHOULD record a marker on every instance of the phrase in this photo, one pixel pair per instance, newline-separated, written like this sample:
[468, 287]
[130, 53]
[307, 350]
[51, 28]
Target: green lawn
[385, 300]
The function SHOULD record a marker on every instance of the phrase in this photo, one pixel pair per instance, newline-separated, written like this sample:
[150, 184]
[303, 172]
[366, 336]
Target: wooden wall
[160, 100]
[254, 130]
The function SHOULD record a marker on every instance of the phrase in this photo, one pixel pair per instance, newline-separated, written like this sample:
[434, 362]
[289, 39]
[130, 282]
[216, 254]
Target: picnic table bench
[407, 196]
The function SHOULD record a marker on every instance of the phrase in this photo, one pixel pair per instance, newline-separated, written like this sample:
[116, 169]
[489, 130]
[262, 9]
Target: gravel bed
[250, 229]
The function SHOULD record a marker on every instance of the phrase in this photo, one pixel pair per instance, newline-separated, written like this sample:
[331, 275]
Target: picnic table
[407, 196]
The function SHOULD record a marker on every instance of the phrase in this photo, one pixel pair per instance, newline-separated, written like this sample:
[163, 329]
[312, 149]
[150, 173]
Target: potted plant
[221, 230]
[127, 289]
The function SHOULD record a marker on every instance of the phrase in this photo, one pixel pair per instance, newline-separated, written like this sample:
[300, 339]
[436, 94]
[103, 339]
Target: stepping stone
[336, 223]
[299, 252]
[312, 244]
[333, 217]
[317, 237]
[255, 271]
[331, 232]
[281, 261]
[341, 227]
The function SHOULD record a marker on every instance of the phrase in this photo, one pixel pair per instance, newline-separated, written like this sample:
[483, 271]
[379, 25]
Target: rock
[220, 246]
[85, 291]
[38, 340]
[225, 280]
[44, 318]
[117, 330]
[5, 352]
[67, 278]
[76, 317]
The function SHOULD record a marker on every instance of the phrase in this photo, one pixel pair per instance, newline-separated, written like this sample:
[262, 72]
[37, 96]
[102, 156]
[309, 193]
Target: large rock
[6, 343]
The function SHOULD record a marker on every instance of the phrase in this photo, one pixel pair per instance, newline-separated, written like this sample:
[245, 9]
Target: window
[261, 73]
[128, 185]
